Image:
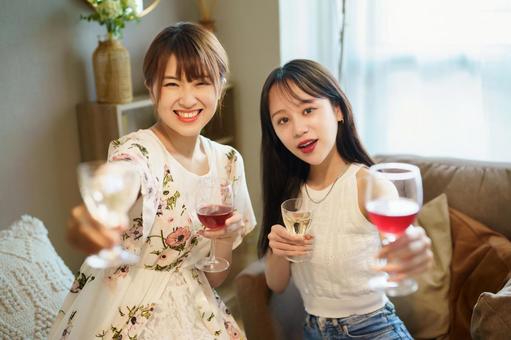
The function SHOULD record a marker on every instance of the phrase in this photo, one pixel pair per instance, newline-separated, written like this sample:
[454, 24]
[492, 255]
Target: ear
[338, 113]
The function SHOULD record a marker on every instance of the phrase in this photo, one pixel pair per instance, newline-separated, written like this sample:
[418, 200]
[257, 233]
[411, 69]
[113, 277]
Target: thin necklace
[329, 190]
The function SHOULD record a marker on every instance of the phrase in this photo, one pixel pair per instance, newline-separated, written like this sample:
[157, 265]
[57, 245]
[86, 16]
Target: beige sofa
[480, 190]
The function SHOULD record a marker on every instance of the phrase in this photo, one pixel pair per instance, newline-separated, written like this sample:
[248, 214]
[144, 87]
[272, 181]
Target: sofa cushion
[491, 318]
[481, 262]
[426, 312]
[33, 280]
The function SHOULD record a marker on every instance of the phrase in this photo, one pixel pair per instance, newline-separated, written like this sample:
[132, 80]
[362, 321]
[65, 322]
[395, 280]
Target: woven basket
[112, 72]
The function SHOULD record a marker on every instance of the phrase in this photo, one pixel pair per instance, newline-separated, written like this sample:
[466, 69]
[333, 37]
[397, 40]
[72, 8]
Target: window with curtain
[430, 78]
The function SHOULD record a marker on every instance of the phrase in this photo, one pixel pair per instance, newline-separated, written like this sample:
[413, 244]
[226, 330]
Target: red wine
[392, 216]
[213, 216]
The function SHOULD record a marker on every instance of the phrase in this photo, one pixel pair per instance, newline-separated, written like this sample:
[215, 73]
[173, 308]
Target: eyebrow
[179, 79]
[276, 113]
[302, 102]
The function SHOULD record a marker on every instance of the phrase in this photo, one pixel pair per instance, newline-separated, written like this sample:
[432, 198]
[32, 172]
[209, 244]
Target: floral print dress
[163, 296]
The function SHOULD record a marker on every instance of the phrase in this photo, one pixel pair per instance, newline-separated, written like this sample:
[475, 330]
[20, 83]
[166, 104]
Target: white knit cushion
[33, 280]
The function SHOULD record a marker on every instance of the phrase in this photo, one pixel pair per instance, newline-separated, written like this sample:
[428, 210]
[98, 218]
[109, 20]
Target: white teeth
[187, 114]
[306, 144]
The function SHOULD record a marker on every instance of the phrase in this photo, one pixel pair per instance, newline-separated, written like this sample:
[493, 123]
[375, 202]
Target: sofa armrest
[267, 315]
[253, 297]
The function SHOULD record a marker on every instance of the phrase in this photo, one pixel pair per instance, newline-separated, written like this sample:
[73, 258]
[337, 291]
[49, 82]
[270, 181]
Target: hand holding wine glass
[109, 189]
[214, 206]
[393, 200]
[297, 219]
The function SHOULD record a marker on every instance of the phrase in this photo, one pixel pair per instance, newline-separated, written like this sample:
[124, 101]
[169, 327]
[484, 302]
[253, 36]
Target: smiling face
[185, 106]
[307, 126]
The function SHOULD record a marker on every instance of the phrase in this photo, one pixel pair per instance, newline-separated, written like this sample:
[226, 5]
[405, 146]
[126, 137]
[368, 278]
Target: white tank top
[334, 282]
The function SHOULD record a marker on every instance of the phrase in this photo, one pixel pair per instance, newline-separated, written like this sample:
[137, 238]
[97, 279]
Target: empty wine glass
[109, 189]
[213, 205]
[297, 219]
[393, 200]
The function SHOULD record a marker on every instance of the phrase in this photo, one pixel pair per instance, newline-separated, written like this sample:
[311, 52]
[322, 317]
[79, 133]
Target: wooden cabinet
[99, 124]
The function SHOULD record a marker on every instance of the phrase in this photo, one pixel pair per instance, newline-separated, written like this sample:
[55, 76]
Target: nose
[300, 128]
[187, 98]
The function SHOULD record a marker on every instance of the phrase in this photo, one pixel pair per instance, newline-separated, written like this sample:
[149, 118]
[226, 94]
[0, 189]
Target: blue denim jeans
[382, 324]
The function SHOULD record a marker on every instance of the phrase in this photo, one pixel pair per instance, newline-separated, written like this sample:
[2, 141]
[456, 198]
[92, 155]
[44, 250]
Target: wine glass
[393, 200]
[109, 189]
[297, 219]
[213, 205]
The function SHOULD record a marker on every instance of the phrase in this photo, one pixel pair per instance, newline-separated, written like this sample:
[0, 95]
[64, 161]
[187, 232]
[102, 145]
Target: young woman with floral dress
[164, 296]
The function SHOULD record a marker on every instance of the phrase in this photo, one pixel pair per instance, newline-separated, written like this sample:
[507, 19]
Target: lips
[307, 146]
[188, 116]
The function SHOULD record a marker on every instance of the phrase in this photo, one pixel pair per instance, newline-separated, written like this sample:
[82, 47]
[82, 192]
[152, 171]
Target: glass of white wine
[297, 219]
[109, 189]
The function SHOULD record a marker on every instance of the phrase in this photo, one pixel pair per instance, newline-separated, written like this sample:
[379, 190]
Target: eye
[170, 84]
[282, 121]
[202, 82]
[308, 110]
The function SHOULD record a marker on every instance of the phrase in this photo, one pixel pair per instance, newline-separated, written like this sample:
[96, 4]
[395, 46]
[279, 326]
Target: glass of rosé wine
[393, 200]
[213, 205]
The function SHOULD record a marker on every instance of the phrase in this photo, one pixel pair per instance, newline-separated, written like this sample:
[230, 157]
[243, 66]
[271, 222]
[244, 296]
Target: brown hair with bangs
[198, 52]
[283, 173]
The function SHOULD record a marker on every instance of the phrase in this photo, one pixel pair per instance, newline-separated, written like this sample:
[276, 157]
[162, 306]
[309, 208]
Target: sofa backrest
[479, 189]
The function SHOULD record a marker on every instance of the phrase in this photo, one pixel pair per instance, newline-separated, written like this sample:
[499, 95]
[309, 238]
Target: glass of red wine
[213, 205]
[393, 200]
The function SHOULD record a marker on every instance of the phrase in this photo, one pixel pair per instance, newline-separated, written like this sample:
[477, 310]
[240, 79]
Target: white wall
[45, 70]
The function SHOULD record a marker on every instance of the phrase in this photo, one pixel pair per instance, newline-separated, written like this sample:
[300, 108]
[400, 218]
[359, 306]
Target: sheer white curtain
[431, 77]
[309, 29]
[425, 77]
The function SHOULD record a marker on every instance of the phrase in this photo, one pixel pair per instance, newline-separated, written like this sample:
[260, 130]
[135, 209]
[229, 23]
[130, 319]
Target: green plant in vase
[114, 14]
[111, 60]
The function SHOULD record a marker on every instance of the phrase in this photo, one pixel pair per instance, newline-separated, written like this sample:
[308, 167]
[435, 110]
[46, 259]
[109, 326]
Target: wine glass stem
[212, 251]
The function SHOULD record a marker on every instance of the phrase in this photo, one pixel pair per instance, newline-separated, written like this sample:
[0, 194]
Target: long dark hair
[283, 172]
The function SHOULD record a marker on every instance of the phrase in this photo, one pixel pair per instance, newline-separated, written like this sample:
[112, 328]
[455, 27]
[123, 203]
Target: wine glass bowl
[393, 200]
[297, 219]
[213, 205]
[213, 216]
[109, 189]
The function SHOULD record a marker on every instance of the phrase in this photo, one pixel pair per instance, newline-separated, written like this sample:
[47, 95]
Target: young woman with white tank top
[311, 150]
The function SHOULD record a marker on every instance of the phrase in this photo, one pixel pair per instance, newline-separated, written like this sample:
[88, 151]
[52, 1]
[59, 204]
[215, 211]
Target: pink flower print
[119, 272]
[177, 238]
[75, 288]
[232, 331]
[166, 258]
[80, 281]
[122, 157]
[135, 232]
[67, 331]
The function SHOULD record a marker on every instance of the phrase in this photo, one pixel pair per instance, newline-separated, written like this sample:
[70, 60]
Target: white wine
[297, 222]
[110, 192]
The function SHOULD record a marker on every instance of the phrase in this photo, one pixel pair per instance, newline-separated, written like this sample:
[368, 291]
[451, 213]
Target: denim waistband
[321, 322]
